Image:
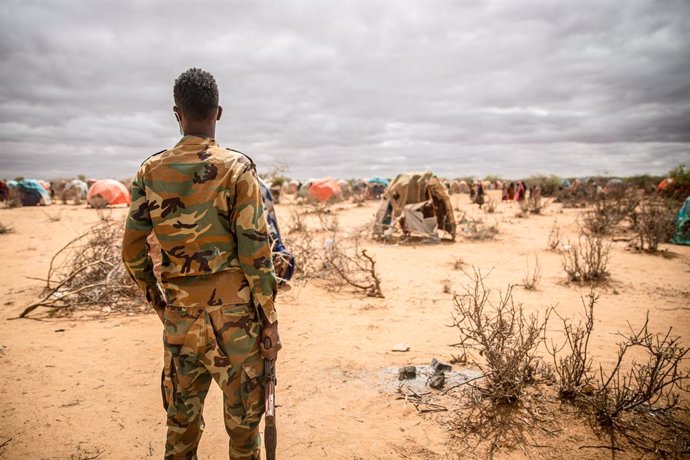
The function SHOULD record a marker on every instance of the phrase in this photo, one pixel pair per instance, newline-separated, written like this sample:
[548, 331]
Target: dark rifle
[270, 434]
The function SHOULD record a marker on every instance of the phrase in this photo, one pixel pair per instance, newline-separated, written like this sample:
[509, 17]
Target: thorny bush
[653, 224]
[587, 261]
[653, 383]
[503, 335]
[571, 360]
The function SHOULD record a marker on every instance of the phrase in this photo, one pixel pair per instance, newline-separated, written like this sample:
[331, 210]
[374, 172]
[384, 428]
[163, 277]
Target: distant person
[511, 191]
[520, 194]
[479, 198]
[504, 192]
[204, 205]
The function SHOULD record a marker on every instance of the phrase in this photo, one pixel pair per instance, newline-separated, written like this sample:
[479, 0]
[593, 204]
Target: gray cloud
[352, 88]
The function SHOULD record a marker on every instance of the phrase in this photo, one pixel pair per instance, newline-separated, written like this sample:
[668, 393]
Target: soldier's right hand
[270, 331]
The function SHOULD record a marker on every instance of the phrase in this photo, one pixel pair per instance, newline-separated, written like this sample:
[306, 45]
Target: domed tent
[682, 222]
[75, 189]
[325, 189]
[31, 192]
[107, 192]
[419, 203]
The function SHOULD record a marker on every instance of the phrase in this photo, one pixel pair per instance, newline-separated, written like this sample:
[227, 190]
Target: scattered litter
[440, 366]
[401, 347]
[407, 372]
[59, 330]
[437, 380]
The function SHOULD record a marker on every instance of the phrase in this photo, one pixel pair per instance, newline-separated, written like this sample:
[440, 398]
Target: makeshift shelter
[76, 187]
[663, 185]
[378, 180]
[283, 261]
[325, 189]
[682, 222]
[614, 185]
[419, 203]
[31, 192]
[107, 192]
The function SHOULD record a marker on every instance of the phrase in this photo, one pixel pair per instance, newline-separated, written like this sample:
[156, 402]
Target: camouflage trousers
[218, 343]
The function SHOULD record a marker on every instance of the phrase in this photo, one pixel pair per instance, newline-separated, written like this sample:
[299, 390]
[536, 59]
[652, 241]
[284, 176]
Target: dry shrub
[14, 198]
[88, 273]
[653, 383]
[532, 276]
[502, 334]
[535, 204]
[458, 263]
[490, 205]
[4, 229]
[607, 213]
[296, 223]
[554, 239]
[347, 264]
[587, 261]
[477, 229]
[571, 360]
[653, 224]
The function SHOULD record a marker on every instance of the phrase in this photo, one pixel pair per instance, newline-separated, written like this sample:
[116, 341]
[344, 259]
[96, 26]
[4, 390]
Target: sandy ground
[71, 388]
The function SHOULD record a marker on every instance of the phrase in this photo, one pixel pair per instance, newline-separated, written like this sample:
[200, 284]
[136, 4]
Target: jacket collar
[197, 140]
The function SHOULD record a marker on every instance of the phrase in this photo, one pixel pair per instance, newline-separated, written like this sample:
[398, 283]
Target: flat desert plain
[88, 385]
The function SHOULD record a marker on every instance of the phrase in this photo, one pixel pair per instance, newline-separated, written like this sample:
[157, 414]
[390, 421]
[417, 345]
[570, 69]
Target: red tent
[663, 185]
[110, 190]
[324, 189]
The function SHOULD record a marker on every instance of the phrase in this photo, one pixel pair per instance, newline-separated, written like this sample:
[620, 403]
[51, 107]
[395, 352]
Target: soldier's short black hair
[196, 94]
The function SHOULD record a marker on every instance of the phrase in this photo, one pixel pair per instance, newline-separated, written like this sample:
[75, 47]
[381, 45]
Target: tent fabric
[378, 180]
[112, 191]
[32, 193]
[283, 261]
[663, 185]
[79, 185]
[682, 222]
[420, 218]
[414, 188]
[325, 189]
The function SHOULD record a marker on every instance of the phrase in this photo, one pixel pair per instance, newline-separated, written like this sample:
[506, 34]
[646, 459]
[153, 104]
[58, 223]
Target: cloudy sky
[352, 88]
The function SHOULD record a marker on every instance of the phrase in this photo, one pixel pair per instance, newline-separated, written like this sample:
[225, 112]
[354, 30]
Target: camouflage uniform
[204, 205]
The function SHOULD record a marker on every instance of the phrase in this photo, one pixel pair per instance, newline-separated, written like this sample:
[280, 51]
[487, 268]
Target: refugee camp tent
[682, 222]
[106, 192]
[614, 185]
[663, 185]
[378, 180]
[31, 192]
[419, 203]
[283, 261]
[77, 186]
[325, 189]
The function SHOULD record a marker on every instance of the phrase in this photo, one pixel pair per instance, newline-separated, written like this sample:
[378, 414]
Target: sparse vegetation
[502, 334]
[532, 275]
[653, 224]
[477, 229]
[554, 239]
[653, 383]
[587, 261]
[607, 213]
[571, 360]
[4, 229]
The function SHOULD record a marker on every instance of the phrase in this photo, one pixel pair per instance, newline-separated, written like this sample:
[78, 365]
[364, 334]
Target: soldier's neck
[200, 130]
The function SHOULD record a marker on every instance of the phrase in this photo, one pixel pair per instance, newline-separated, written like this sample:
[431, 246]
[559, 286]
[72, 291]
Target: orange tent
[110, 190]
[324, 189]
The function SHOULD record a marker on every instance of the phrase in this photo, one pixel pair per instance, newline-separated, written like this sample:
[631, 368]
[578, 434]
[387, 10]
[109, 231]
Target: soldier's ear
[176, 111]
[220, 112]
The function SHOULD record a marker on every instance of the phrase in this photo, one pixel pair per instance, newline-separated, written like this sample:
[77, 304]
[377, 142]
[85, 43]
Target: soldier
[217, 290]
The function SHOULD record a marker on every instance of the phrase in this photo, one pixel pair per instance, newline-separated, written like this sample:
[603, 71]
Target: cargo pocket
[252, 391]
[167, 380]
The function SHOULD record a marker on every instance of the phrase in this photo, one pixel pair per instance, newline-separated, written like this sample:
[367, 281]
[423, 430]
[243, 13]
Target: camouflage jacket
[204, 205]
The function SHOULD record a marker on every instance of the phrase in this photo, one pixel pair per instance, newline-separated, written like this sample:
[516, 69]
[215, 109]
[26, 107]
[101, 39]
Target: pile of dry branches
[88, 273]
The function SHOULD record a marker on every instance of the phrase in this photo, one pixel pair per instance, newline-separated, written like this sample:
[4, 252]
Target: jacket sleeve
[135, 249]
[253, 245]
